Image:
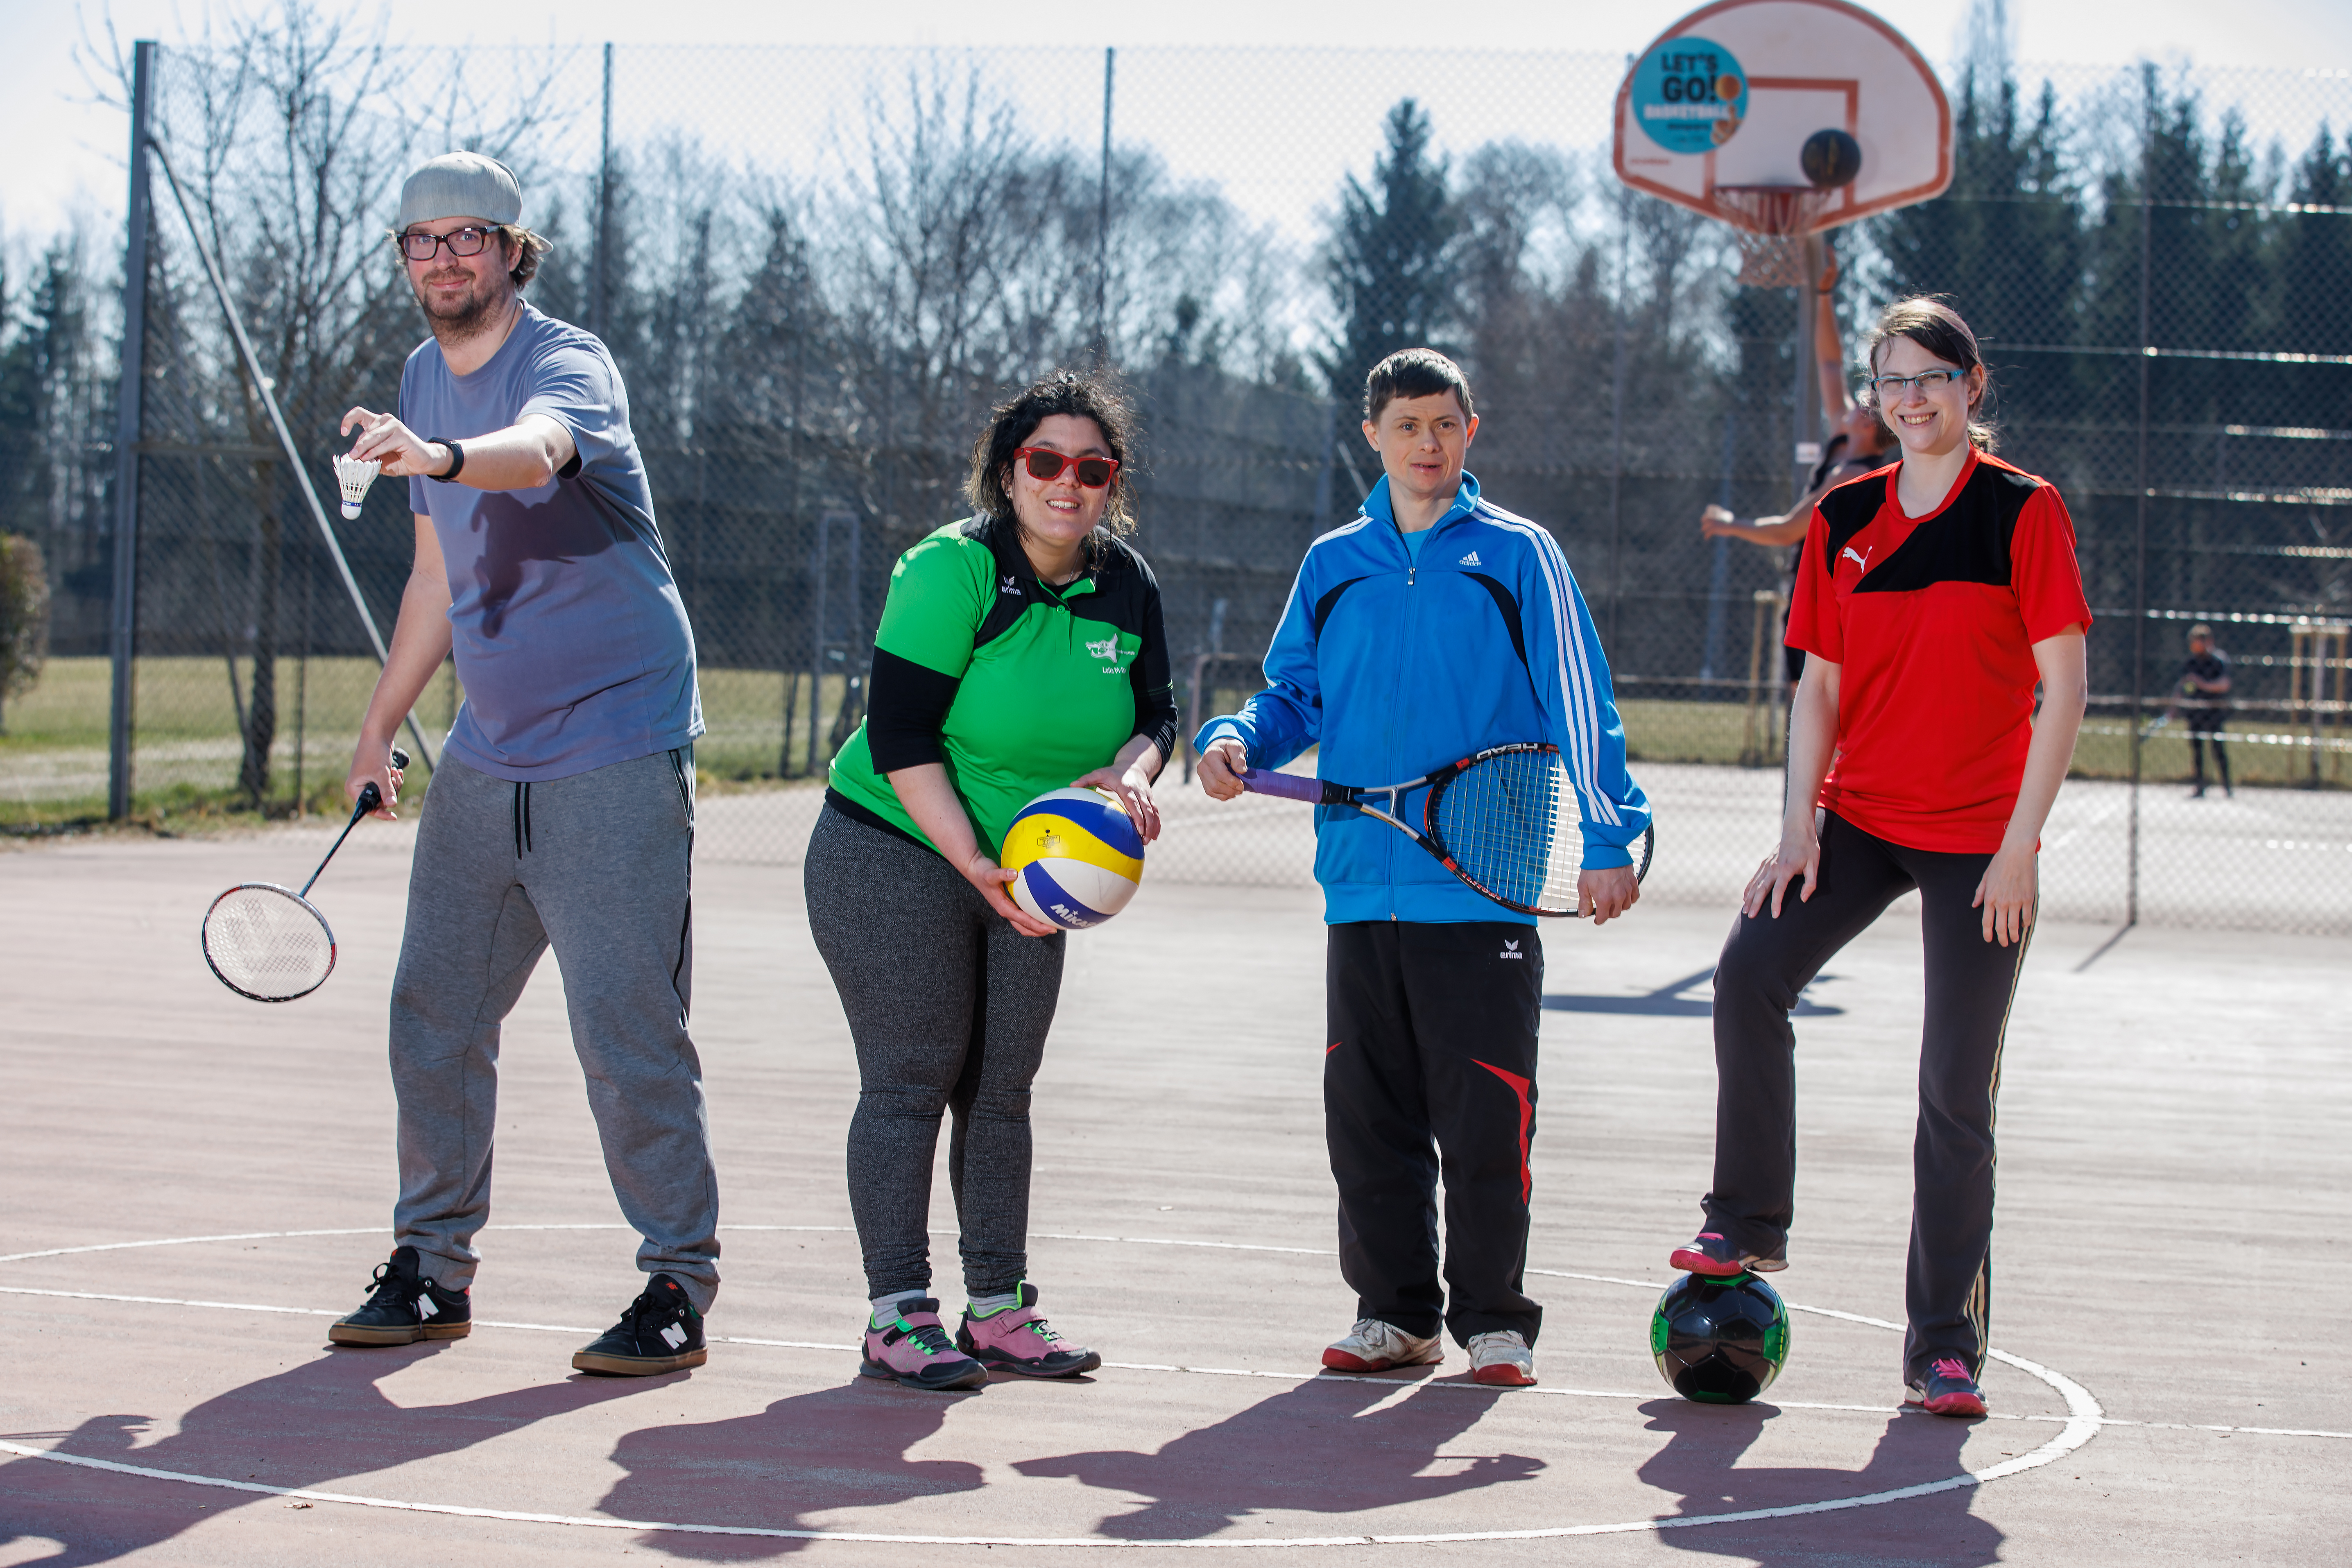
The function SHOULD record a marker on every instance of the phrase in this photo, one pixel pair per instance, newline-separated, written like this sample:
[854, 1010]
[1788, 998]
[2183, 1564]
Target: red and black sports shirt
[1933, 621]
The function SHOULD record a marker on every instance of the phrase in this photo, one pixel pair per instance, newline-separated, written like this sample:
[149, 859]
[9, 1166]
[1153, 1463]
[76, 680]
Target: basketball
[1079, 855]
[1720, 1341]
[1830, 159]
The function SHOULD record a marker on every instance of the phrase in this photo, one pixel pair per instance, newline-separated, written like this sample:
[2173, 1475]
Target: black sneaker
[405, 1307]
[660, 1331]
[1947, 1390]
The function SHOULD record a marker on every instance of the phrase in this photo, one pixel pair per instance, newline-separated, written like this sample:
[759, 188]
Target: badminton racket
[271, 944]
[1503, 821]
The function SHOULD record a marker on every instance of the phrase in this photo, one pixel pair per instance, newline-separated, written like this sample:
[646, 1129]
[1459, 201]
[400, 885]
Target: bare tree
[292, 129]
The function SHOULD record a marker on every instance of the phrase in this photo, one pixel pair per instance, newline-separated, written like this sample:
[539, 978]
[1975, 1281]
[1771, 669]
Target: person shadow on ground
[320, 1423]
[803, 1455]
[1700, 1462]
[1318, 1448]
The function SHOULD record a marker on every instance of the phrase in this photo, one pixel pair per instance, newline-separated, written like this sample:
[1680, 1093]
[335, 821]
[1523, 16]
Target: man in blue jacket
[1433, 625]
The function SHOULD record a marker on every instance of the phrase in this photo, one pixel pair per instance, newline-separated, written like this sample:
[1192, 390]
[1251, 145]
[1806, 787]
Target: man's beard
[467, 317]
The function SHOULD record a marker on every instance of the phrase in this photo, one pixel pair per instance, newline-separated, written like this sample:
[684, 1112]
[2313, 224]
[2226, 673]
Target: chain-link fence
[815, 294]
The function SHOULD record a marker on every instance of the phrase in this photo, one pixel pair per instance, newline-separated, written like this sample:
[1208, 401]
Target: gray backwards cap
[460, 185]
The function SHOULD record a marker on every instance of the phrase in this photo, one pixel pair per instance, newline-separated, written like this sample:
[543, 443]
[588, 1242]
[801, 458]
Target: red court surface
[196, 1185]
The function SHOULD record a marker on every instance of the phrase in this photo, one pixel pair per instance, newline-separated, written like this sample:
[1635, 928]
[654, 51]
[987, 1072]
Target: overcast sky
[66, 153]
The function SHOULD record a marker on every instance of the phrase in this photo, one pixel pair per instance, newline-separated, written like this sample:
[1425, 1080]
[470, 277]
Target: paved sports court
[196, 1185]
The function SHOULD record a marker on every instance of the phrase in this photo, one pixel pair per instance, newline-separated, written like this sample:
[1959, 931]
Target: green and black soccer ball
[1720, 1341]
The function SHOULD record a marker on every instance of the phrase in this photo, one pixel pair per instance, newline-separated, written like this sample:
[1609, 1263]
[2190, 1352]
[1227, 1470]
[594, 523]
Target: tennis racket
[1503, 821]
[271, 944]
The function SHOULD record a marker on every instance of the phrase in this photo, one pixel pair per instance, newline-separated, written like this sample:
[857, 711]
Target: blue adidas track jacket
[1396, 666]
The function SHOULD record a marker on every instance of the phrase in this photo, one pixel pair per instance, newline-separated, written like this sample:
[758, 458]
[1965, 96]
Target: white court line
[2082, 1424]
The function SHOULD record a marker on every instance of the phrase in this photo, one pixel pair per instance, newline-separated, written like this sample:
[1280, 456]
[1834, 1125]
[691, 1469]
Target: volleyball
[1079, 856]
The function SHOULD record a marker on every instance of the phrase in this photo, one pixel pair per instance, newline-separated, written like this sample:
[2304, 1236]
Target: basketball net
[1771, 222]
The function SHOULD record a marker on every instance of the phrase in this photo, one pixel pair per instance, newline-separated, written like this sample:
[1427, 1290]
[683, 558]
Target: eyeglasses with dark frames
[418, 246]
[1045, 465]
[1892, 388]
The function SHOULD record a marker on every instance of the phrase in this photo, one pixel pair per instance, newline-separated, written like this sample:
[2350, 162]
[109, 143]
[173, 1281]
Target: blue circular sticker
[1689, 95]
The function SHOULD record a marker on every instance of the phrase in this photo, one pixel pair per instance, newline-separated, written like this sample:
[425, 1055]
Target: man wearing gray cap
[563, 809]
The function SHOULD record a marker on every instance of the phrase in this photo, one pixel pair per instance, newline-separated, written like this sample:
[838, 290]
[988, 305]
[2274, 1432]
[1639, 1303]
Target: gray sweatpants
[595, 866]
[949, 1007]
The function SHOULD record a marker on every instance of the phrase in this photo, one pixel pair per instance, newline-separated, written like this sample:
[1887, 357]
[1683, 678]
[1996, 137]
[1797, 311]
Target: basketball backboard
[1798, 67]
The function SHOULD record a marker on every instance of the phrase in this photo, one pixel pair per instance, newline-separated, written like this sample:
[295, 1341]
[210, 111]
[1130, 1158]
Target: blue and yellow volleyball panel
[1079, 855]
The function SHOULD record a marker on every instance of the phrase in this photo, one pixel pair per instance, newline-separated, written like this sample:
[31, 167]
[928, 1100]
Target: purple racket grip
[1290, 786]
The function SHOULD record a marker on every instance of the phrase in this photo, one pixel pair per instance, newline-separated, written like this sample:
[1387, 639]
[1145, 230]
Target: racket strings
[266, 943]
[1510, 823]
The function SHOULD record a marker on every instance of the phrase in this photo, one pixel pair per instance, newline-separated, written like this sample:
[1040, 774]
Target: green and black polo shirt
[1017, 686]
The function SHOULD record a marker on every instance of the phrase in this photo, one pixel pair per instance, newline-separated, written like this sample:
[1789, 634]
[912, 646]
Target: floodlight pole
[123, 617]
[1102, 225]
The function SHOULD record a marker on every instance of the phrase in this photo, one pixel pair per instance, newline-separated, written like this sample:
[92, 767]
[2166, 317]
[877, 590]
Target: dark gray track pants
[1766, 965]
[949, 1007]
[595, 866]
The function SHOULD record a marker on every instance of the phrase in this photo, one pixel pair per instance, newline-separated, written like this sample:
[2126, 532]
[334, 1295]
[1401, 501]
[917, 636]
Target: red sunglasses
[1045, 465]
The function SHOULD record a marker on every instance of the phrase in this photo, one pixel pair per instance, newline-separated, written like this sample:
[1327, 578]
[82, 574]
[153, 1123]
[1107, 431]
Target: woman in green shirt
[1020, 651]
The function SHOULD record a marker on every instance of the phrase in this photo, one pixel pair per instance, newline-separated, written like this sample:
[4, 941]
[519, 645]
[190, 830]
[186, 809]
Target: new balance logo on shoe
[673, 1336]
[425, 1307]
[1470, 560]
[1511, 950]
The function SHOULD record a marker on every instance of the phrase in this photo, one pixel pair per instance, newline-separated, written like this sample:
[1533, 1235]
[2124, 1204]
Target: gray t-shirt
[568, 629]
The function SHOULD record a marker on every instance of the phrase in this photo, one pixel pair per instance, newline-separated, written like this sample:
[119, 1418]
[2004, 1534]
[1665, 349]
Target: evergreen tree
[1390, 273]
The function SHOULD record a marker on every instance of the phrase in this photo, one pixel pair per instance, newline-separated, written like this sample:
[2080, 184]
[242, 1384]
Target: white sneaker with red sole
[1374, 1346]
[1500, 1358]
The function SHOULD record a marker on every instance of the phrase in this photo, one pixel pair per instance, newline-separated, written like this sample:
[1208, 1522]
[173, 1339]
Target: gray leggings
[947, 1006]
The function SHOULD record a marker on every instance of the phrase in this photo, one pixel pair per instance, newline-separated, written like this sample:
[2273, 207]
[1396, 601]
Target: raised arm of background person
[1829, 346]
[534, 450]
[2011, 887]
[1812, 741]
[420, 641]
[931, 801]
[1285, 717]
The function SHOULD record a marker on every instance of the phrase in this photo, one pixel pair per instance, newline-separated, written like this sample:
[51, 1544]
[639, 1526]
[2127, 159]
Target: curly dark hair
[1088, 396]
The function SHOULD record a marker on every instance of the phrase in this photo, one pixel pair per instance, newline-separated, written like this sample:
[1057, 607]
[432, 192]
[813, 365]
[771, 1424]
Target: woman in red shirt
[1931, 598]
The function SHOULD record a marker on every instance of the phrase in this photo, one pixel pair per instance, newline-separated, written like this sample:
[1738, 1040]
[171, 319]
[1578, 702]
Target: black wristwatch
[457, 458]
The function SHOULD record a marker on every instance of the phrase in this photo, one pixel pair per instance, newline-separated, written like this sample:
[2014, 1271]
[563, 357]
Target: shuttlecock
[355, 476]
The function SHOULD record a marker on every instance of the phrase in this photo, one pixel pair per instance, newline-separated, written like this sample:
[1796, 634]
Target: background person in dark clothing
[2201, 695]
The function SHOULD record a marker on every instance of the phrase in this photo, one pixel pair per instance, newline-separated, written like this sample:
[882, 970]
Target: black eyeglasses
[1045, 465]
[1890, 388]
[418, 246]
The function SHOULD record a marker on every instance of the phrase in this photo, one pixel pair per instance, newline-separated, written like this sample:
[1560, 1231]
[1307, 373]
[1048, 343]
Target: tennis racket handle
[1290, 786]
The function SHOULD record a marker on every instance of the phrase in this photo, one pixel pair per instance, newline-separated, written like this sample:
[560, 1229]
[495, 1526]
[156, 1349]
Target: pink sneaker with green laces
[1016, 1339]
[914, 1349]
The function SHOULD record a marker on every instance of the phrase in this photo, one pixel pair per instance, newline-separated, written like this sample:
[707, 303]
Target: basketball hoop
[1772, 222]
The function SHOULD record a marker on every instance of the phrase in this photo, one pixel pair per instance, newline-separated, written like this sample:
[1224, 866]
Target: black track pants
[1430, 1069]
[1970, 982]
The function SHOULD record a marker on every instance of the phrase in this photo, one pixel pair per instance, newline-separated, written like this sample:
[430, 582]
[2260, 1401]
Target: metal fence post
[2139, 525]
[1617, 410]
[603, 208]
[123, 628]
[1102, 227]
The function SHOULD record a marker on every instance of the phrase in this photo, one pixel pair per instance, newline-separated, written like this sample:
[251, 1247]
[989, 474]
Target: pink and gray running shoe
[1016, 1339]
[915, 1350]
[1713, 1256]
[1947, 1390]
